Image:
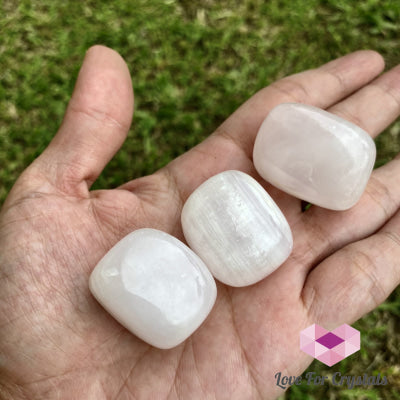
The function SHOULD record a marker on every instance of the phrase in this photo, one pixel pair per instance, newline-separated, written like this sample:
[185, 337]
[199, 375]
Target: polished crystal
[314, 155]
[233, 224]
[155, 286]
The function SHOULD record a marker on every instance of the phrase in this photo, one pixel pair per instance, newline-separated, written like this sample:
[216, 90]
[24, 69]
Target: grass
[193, 64]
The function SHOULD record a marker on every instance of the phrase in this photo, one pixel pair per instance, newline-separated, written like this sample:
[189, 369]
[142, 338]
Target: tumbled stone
[314, 155]
[236, 228]
[155, 286]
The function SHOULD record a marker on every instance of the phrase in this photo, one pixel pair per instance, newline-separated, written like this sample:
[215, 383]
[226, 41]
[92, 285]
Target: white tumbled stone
[155, 286]
[233, 224]
[314, 155]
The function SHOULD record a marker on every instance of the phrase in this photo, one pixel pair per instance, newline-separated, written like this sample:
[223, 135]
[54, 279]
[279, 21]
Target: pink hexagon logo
[330, 347]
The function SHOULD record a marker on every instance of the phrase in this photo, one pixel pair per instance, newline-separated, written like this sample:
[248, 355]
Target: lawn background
[193, 64]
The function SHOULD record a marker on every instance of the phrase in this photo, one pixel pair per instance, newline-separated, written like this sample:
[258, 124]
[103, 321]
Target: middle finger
[324, 231]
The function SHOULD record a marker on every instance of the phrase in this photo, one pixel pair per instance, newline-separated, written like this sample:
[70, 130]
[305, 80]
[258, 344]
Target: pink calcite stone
[314, 155]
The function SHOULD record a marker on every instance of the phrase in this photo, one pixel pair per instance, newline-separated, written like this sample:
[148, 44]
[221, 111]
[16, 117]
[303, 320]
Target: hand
[56, 341]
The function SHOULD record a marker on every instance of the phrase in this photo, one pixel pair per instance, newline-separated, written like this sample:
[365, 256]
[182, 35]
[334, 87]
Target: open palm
[55, 339]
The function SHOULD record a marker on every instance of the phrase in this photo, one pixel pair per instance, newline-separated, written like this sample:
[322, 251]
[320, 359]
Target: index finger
[321, 87]
[231, 146]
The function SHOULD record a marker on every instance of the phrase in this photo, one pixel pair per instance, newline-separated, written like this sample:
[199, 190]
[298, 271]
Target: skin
[57, 342]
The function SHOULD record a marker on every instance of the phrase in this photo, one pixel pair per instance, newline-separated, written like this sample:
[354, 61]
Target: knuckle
[291, 89]
[363, 263]
[380, 194]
